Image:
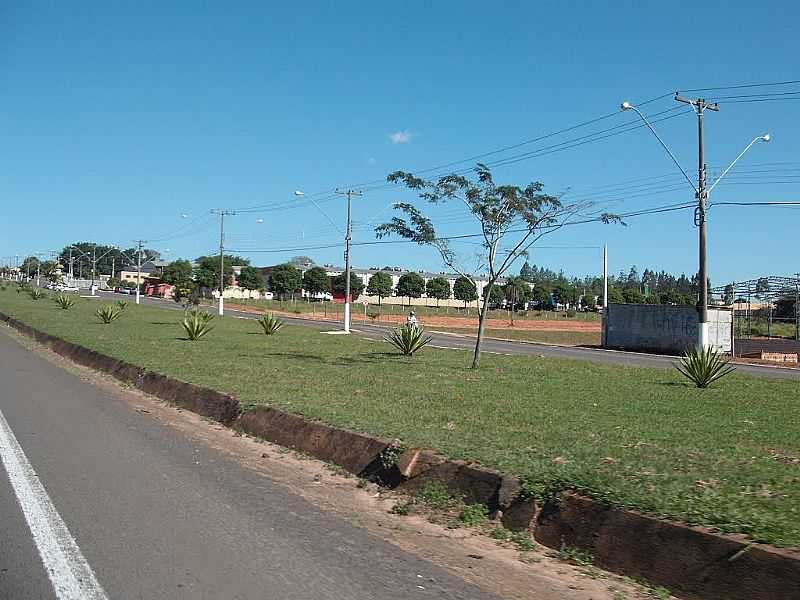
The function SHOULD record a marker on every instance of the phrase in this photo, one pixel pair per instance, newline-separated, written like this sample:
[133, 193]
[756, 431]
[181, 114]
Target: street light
[702, 194]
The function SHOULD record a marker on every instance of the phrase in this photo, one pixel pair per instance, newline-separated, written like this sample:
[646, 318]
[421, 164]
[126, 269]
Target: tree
[541, 295]
[516, 290]
[356, 285]
[250, 278]
[178, 273]
[316, 281]
[439, 288]
[496, 295]
[380, 285]
[633, 296]
[206, 270]
[410, 285]
[284, 279]
[464, 289]
[511, 218]
[727, 295]
[527, 273]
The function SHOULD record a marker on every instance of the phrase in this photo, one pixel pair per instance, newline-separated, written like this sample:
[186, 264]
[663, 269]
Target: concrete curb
[692, 561]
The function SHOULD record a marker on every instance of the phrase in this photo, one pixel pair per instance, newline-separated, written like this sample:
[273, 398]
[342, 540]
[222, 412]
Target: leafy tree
[316, 281]
[178, 273]
[511, 218]
[541, 295]
[356, 285]
[439, 288]
[284, 279]
[250, 278]
[633, 296]
[29, 265]
[516, 290]
[380, 285]
[410, 285]
[464, 289]
[527, 273]
[496, 295]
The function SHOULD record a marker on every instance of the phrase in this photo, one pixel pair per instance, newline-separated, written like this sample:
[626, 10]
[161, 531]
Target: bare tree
[511, 218]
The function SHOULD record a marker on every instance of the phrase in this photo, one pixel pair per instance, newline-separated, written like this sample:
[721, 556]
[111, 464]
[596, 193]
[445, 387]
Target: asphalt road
[462, 342]
[153, 514]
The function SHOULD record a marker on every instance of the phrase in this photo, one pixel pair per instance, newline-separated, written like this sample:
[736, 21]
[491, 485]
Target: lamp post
[702, 195]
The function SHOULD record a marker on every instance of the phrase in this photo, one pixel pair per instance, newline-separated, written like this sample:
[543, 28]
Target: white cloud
[401, 137]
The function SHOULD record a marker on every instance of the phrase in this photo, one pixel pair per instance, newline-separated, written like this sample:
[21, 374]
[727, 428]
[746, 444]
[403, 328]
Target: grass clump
[64, 301]
[197, 323]
[704, 366]
[408, 339]
[435, 495]
[473, 514]
[108, 313]
[270, 324]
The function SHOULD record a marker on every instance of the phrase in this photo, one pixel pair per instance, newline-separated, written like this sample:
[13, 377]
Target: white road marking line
[68, 570]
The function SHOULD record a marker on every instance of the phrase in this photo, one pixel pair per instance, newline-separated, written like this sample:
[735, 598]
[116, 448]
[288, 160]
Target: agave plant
[64, 301]
[270, 323]
[408, 338]
[196, 323]
[703, 366]
[122, 304]
[108, 313]
[36, 294]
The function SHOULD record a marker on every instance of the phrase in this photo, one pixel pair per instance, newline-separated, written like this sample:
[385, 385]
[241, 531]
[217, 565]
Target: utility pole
[348, 239]
[797, 306]
[700, 106]
[139, 245]
[222, 213]
[605, 294]
[71, 272]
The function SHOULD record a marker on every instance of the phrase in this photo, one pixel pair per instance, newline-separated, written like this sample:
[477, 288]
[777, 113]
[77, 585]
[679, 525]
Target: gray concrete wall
[661, 328]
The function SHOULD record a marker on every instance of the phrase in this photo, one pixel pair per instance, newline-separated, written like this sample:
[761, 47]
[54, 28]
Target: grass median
[727, 457]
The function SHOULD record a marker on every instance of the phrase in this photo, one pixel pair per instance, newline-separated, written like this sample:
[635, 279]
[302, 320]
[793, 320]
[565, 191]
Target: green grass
[566, 338]
[726, 457]
[331, 309]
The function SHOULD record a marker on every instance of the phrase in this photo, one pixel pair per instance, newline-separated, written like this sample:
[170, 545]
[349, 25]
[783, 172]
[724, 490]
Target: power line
[741, 86]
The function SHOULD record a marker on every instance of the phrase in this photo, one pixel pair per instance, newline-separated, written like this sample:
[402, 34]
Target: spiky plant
[64, 301]
[36, 294]
[108, 313]
[122, 304]
[408, 339]
[196, 323]
[270, 323]
[703, 366]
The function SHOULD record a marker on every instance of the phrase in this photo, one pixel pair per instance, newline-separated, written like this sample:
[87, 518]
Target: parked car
[124, 290]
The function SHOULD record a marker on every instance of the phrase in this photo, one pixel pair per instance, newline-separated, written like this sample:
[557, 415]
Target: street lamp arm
[628, 106]
[764, 138]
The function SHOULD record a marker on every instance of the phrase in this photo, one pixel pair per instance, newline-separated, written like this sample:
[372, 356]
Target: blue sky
[116, 118]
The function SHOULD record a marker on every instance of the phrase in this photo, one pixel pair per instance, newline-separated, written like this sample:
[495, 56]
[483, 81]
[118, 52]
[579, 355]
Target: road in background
[465, 342]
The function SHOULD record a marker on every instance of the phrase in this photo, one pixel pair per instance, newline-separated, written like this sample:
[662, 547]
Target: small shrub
[704, 366]
[435, 494]
[572, 313]
[196, 323]
[64, 301]
[500, 533]
[574, 556]
[270, 324]
[408, 339]
[522, 541]
[402, 508]
[122, 304]
[473, 514]
[108, 313]
[373, 316]
[36, 294]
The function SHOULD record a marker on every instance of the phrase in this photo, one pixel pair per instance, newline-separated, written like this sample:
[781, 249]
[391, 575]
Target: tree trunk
[476, 359]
